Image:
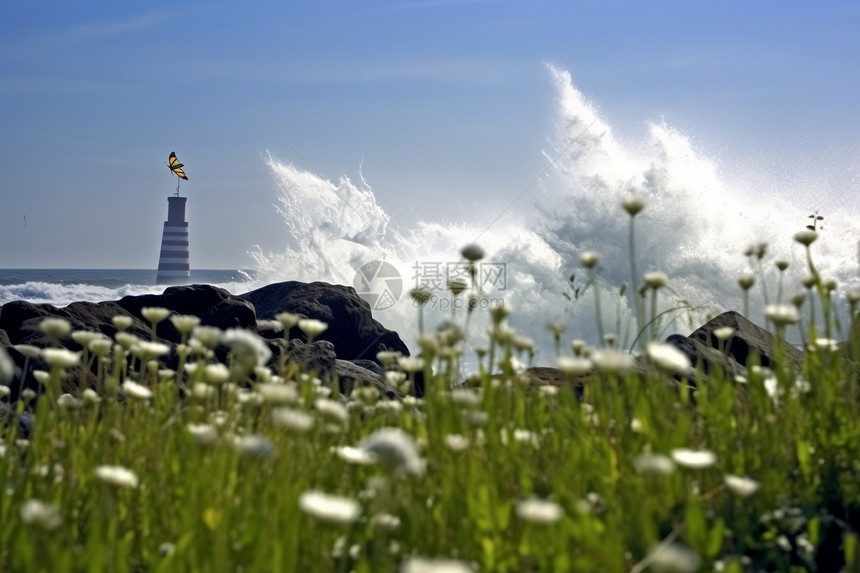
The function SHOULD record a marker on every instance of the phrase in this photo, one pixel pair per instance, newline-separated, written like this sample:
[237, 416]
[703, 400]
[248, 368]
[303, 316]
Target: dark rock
[318, 357]
[351, 326]
[14, 314]
[212, 305]
[351, 375]
[4, 338]
[703, 347]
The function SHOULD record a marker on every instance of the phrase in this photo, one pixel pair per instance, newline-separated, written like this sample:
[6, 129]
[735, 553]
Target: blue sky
[445, 106]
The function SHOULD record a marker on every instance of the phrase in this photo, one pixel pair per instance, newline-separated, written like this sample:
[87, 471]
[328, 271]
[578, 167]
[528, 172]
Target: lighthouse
[174, 260]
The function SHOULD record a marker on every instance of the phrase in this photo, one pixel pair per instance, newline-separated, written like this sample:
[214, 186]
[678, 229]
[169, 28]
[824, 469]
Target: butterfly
[175, 166]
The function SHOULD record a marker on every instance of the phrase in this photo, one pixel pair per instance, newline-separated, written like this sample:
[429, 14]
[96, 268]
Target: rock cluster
[346, 349]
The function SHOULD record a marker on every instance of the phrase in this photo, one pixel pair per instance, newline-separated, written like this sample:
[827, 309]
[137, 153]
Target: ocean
[61, 287]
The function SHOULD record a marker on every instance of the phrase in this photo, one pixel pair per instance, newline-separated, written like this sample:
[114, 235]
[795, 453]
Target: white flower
[395, 449]
[40, 514]
[355, 456]
[741, 486]
[388, 357]
[330, 508]
[548, 390]
[805, 238]
[208, 336]
[4, 390]
[84, 337]
[633, 205]
[466, 397]
[312, 327]
[293, 420]
[612, 361]
[588, 259]
[385, 522]
[68, 402]
[117, 476]
[122, 321]
[254, 446]
[154, 314]
[539, 511]
[55, 327]
[456, 442]
[247, 347]
[656, 464]
[673, 558]
[278, 394]
[100, 346]
[668, 357]
[574, 365]
[655, 279]
[148, 350]
[694, 459]
[215, 373]
[416, 564]
[60, 357]
[134, 390]
[410, 363]
[332, 410]
[724, 332]
[204, 434]
[288, 319]
[782, 314]
[185, 323]
[7, 367]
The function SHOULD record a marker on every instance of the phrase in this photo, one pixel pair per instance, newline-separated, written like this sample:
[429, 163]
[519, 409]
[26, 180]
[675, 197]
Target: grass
[643, 473]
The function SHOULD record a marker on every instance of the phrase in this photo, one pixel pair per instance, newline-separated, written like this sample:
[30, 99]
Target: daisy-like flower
[633, 206]
[805, 238]
[589, 259]
[355, 456]
[694, 459]
[40, 514]
[292, 420]
[466, 397]
[90, 397]
[312, 327]
[388, 357]
[472, 252]
[147, 350]
[724, 333]
[208, 336]
[456, 442]
[741, 486]
[215, 373]
[204, 434]
[782, 314]
[574, 365]
[612, 361]
[330, 508]
[7, 367]
[117, 476]
[288, 320]
[55, 327]
[254, 446]
[655, 279]
[539, 511]
[673, 558]
[4, 390]
[279, 394]
[395, 449]
[332, 410]
[416, 564]
[385, 522]
[100, 346]
[667, 357]
[122, 321]
[68, 402]
[154, 314]
[185, 323]
[656, 464]
[248, 348]
[411, 363]
[746, 282]
[60, 357]
[137, 391]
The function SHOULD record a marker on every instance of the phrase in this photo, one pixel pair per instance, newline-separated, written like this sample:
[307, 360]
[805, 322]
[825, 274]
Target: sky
[444, 107]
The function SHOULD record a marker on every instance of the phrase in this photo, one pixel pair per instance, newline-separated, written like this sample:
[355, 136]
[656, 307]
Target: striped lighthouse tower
[173, 262]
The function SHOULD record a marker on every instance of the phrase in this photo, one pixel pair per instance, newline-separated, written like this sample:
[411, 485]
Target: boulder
[748, 340]
[351, 326]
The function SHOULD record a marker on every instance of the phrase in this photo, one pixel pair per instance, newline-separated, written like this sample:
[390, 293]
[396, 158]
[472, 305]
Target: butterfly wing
[176, 166]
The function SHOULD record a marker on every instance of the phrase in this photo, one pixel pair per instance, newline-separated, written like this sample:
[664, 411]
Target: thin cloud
[98, 30]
